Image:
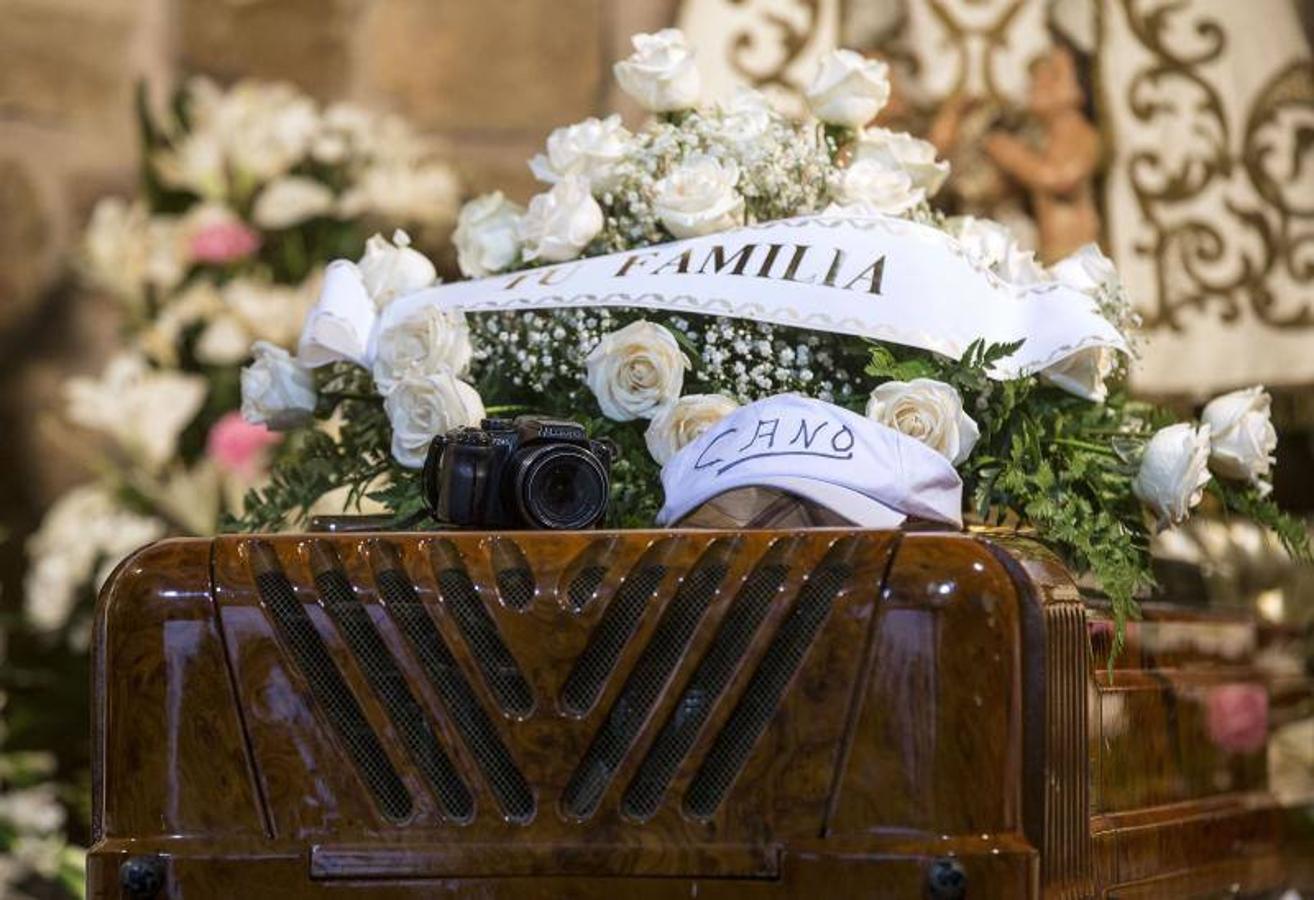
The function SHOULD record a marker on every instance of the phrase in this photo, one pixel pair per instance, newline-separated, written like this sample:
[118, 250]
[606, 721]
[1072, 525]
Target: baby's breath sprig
[784, 171]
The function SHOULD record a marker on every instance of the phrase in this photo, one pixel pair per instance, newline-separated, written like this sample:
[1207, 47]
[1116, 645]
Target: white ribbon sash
[880, 277]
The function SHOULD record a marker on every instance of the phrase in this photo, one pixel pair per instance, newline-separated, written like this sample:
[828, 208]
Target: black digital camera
[526, 473]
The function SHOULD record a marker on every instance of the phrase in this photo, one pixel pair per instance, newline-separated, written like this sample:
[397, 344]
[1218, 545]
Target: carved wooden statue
[1059, 173]
[977, 186]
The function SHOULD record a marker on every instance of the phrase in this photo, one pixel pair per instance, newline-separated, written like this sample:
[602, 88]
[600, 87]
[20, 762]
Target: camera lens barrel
[559, 486]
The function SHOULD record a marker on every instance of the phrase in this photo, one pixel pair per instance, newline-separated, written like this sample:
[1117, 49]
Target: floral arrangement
[246, 193]
[1063, 451]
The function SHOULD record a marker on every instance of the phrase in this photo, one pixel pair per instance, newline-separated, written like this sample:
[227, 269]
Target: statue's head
[1054, 82]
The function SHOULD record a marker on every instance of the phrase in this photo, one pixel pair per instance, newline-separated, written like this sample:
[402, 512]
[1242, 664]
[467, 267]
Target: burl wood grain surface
[906, 708]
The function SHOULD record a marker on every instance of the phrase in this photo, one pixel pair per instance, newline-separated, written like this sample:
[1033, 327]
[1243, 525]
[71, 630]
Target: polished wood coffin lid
[769, 710]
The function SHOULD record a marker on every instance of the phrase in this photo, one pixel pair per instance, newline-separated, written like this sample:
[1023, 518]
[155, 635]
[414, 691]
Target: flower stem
[1086, 445]
[837, 138]
[346, 395]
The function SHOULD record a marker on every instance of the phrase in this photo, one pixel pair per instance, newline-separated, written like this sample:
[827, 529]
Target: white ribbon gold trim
[882, 278]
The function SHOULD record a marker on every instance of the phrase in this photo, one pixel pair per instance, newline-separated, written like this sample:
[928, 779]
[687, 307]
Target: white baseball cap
[866, 472]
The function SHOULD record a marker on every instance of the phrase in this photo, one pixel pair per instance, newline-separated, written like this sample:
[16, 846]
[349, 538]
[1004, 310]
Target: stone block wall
[490, 77]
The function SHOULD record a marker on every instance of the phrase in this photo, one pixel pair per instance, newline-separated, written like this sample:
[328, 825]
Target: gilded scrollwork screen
[772, 45]
[1210, 187]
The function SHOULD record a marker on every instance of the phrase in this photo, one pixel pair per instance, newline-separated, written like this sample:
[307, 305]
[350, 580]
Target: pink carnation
[1237, 717]
[238, 447]
[224, 242]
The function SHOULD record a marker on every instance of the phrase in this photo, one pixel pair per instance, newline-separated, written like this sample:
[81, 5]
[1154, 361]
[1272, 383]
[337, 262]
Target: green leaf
[1246, 499]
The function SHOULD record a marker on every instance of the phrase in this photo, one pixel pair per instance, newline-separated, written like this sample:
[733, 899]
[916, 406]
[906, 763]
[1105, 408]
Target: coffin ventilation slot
[516, 587]
[505, 780]
[646, 681]
[613, 631]
[761, 698]
[586, 572]
[585, 584]
[515, 577]
[329, 689]
[495, 661]
[353, 621]
[709, 679]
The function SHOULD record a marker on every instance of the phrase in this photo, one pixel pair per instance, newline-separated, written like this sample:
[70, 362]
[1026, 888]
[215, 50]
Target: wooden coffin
[828, 713]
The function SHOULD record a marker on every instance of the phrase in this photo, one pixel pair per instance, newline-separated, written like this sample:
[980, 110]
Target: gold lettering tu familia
[797, 263]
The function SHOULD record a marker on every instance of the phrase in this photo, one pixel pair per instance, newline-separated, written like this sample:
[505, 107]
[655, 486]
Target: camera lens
[560, 487]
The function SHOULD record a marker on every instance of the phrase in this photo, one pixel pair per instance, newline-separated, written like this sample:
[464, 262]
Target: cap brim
[857, 507]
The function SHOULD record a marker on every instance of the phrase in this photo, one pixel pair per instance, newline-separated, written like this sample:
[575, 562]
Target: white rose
[1088, 270]
[699, 197]
[420, 407]
[291, 200]
[849, 89]
[990, 244]
[485, 235]
[560, 223]
[426, 341]
[392, 270]
[142, 408]
[590, 149]
[984, 241]
[1083, 373]
[867, 187]
[1174, 472]
[928, 410]
[680, 423]
[636, 371]
[1242, 436]
[661, 74]
[897, 149]
[1019, 266]
[341, 322]
[277, 391]
[743, 121]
